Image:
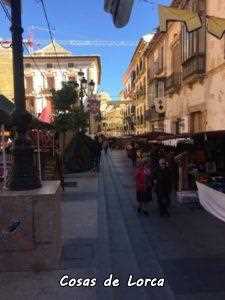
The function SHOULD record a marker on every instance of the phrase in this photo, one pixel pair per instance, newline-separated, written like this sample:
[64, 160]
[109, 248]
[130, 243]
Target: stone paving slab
[80, 219]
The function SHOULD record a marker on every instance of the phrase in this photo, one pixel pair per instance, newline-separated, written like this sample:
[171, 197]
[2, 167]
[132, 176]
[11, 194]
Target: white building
[50, 68]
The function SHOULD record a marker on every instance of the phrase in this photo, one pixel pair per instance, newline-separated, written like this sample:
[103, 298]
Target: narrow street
[103, 234]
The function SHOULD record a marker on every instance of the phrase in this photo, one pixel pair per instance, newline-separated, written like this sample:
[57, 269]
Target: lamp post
[81, 90]
[23, 175]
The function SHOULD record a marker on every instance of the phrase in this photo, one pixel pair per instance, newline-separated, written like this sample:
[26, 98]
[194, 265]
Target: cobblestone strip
[144, 253]
[103, 252]
[123, 260]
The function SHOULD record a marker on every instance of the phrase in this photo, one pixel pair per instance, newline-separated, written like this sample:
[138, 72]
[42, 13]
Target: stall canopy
[155, 135]
[6, 107]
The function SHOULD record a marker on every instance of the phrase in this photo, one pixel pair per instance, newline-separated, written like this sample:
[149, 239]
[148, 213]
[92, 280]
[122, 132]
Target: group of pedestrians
[152, 176]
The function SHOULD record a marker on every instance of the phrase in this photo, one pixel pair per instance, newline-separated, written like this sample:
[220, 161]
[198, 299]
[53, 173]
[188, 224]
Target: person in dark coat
[98, 152]
[163, 186]
[133, 154]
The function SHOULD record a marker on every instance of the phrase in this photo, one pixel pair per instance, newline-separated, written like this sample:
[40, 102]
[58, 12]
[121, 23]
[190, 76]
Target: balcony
[154, 116]
[194, 67]
[173, 83]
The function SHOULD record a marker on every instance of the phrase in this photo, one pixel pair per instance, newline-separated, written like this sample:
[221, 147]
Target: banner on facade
[190, 18]
[212, 200]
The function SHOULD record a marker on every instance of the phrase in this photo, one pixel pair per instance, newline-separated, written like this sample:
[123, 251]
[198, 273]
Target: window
[159, 89]
[141, 65]
[29, 84]
[70, 65]
[192, 42]
[161, 60]
[30, 104]
[189, 43]
[51, 83]
[49, 66]
[176, 57]
[196, 122]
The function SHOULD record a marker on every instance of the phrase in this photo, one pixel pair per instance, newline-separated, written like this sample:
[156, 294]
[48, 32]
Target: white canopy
[213, 201]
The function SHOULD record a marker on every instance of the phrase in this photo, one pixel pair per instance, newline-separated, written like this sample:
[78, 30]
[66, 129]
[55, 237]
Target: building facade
[135, 89]
[186, 72]
[113, 119]
[50, 69]
[6, 71]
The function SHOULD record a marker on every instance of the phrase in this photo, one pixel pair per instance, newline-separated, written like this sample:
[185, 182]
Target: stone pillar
[30, 228]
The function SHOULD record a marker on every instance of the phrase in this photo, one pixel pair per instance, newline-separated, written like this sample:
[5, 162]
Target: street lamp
[81, 89]
[23, 175]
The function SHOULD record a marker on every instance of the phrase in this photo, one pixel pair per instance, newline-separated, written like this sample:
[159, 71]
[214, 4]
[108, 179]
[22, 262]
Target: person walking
[105, 146]
[143, 187]
[133, 154]
[97, 154]
[163, 187]
[148, 182]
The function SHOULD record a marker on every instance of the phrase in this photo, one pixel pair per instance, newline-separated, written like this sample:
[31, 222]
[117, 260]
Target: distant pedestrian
[133, 154]
[105, 146]
[163, 187]
[148, 182]
[97, 154]
[143, 187]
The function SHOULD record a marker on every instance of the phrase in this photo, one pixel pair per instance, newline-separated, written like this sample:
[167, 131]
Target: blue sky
[86, 20]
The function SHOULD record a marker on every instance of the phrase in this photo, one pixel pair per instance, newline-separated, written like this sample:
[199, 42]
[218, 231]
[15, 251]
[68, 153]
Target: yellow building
[135, 89]
[6, 73]
[112, 119]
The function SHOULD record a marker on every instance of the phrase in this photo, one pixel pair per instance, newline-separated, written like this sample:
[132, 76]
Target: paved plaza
[103, 234]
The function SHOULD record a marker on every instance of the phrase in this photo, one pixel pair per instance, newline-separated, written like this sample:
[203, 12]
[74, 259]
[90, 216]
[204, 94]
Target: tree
[69, 115]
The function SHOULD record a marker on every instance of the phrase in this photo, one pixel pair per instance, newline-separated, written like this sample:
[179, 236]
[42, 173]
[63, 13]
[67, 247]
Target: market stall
[201, 158]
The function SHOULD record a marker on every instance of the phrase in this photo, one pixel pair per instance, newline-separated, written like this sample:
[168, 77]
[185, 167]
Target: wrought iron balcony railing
[195, 65]
[173, 82]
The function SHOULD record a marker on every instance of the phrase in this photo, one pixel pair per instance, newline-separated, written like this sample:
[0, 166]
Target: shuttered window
[29, 84]
[192, 42]
[176, 57]
[51, 83]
